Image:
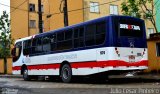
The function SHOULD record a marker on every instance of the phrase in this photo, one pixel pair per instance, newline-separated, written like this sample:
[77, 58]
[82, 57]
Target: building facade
[24, 19]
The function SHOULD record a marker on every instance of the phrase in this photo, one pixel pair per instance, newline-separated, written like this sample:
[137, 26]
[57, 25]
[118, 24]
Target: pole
[40, 16]
[65, 9]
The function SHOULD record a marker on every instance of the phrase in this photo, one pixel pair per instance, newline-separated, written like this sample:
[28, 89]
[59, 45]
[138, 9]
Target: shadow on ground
[110, 81]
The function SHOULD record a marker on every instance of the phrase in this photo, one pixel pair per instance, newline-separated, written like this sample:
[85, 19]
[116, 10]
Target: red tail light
[144, 52]
[116, 49]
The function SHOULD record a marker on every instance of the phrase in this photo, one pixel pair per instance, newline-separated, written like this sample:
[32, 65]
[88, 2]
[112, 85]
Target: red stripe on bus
[114, 63]
[16, 68]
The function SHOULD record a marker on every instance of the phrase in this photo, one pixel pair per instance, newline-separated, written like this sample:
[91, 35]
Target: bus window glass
[76, 33]
[76, 43]
[78, 37]
[33, 45]
[60, 36]
[67, 44]
[26, 47]
[81, 32]
[128, 27]
[101, 28]
[68, 39]
[130, 30]
[46, 44]
[38, 48]
[68, 35]
[100, 38]
[17, 50]
[81, 42]
[90, 35]
[34, 42]
[81, 37]
[100, 33]
[53, 42]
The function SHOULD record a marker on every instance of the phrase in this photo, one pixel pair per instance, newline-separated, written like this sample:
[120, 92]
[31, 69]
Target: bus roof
[76, 25]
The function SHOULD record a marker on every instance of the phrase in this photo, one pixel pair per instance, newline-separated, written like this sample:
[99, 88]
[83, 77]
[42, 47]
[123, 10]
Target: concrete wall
[56, 20]
[9, 66]
[154, 61]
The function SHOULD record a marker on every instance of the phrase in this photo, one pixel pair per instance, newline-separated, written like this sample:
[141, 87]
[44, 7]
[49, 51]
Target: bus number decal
[102, 52]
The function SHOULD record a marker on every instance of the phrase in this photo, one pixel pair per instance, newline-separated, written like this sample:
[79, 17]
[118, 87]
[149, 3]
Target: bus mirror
[13, 52]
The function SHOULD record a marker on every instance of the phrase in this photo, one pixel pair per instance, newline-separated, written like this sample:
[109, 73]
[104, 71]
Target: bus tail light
[144, 51]
[117, 52]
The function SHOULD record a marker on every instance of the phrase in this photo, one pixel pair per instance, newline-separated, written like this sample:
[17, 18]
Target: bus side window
[64, 42]
[33, 45]
[38, 48]
[53, 40]
[60, 39]
[46, 44]
[27, 47]
[60, 36]
[37, 45]
[90, 35]
[100, 33]
[78, 37]
[81, 37]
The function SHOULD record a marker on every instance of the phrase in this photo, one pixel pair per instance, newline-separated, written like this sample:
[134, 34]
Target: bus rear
[129, 42]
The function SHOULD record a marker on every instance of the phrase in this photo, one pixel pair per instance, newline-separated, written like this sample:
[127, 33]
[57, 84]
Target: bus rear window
[128, 27]
[129, 30]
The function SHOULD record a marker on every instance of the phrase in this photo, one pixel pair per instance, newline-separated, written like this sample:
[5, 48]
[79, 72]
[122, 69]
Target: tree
[140, 8]
[5, 38]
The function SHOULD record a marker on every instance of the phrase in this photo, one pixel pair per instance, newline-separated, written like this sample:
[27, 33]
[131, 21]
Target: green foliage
[130, 7]
[5, 35]
[136, 8]
[140, 9]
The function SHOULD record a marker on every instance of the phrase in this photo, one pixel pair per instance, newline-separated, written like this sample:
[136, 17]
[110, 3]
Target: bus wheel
[66, 73]
[25, 75]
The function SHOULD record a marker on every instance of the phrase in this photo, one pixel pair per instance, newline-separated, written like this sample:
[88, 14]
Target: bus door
[16, 52]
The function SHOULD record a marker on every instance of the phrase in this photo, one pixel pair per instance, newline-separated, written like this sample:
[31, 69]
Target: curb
[10, 76]
[149, 77]
[155, 77]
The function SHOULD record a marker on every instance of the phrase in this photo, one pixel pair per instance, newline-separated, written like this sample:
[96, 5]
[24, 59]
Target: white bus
[111, 44]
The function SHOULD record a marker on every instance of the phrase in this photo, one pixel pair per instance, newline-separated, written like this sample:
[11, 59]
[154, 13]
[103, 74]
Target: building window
[150, 31]
[114, 9]
[31, 7]
[32, 24]
[158, 49]
[94, 7]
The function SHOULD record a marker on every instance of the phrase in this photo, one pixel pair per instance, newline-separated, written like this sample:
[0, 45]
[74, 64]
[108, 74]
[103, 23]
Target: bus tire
[25, 75]
[66, 73]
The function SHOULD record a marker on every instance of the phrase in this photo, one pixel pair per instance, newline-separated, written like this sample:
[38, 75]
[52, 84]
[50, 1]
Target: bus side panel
[83, 62]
